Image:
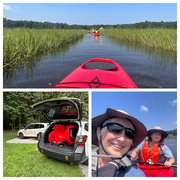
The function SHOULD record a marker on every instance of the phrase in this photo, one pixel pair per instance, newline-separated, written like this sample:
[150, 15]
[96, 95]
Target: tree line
[172, 132]
[7, 23]
[17, 111]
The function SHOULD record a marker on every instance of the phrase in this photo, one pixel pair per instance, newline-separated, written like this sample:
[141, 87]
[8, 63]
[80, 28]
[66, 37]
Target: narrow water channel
[147, 68]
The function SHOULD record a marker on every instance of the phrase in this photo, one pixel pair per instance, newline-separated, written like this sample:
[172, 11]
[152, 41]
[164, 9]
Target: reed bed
[24, 44]
[165, 39]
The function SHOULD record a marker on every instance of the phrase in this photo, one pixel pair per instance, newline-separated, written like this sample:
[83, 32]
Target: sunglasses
[118, 128]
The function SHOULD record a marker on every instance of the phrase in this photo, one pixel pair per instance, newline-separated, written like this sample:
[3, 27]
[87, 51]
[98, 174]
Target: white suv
[66, 138]
[32, 130]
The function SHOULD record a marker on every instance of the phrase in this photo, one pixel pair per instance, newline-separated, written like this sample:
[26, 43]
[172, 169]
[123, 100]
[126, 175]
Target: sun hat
[158, 129]
[140, 129]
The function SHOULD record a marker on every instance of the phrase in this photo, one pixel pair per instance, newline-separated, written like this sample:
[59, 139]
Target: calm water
[171, 142]
[148, 68]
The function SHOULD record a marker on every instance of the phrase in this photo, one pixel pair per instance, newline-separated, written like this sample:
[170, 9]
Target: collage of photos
[89, 89]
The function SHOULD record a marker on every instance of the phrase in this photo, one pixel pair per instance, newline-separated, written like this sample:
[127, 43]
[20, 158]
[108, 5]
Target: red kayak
[96, 34]
[156, 171]
[97, 73]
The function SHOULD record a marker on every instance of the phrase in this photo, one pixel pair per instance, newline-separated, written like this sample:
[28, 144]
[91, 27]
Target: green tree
[17, 106]
[172, 132]
[48, 25]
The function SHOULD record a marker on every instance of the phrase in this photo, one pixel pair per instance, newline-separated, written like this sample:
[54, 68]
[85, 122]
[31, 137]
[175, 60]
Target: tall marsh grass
[23, 44]
[165, 39]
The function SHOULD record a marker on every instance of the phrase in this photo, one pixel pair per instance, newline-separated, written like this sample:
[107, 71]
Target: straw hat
[159, 130]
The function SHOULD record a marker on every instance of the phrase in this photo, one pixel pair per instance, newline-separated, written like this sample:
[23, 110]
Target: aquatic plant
[23, 44]
[162, 38]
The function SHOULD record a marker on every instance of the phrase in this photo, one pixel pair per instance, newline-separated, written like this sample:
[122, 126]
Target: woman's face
[156, 136]
[116, 144]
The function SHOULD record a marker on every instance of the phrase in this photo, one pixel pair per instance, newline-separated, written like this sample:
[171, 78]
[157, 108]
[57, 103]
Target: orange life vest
[149, 153]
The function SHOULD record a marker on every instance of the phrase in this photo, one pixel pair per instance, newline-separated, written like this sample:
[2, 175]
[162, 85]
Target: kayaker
[115, 133]
[154, 150]
[96, 31]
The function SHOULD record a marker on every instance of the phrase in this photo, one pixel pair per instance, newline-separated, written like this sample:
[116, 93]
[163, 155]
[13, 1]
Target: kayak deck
[156, 171]
[97, 73]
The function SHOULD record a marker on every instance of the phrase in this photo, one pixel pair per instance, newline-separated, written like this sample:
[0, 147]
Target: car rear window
[63, 111]
[86, 127]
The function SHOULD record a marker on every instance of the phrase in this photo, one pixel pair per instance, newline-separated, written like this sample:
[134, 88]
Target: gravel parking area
[84, 169]
[26, 140]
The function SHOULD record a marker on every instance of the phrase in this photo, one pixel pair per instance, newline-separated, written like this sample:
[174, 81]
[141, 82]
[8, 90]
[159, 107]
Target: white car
[66, 138]
[32, 130]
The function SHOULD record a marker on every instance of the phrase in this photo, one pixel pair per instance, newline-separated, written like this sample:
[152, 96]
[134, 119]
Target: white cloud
[16, 8]
[6, 7]
[144, 108]
[173, 103]
[174, 122]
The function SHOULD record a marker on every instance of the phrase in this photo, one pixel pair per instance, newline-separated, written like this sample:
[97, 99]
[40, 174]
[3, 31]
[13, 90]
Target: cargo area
[61, 137]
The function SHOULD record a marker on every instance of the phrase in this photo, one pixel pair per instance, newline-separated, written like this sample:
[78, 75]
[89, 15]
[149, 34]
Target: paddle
[134, 161]
[151, 163]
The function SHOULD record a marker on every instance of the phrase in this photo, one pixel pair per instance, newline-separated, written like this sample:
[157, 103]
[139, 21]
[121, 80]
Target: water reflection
[96, 38]
[29, 66]
[159, 56]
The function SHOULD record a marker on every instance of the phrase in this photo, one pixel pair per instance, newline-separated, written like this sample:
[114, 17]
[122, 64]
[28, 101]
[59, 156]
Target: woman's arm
[135, 153]
[169, 156]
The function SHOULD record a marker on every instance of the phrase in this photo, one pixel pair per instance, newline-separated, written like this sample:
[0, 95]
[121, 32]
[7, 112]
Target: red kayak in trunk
[97, 73]
[156, 171]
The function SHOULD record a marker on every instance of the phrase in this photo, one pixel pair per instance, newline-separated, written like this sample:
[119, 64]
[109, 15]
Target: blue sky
[91, 13]
[151, 108]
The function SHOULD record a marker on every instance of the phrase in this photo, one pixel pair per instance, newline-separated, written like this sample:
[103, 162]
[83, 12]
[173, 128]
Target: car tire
[21, 135]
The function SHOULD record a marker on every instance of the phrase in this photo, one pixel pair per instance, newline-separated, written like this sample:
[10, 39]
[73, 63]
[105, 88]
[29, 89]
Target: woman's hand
[169, 163]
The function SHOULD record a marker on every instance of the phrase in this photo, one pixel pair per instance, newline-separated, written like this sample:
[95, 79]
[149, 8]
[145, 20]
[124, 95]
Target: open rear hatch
[60, 109]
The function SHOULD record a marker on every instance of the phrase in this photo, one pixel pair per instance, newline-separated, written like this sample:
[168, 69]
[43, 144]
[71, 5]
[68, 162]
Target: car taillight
[81, 139]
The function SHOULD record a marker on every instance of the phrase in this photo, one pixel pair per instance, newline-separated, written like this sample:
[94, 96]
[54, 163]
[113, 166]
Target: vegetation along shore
[163, 38]
[23, 44]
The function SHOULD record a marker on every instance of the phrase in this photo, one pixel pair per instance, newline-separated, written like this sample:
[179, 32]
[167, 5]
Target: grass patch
[24, 160]
[165, 39]
[23, 44]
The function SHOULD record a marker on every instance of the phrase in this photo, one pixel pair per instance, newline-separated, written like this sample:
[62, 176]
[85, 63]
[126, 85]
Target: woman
[153, 149]
[115, 133]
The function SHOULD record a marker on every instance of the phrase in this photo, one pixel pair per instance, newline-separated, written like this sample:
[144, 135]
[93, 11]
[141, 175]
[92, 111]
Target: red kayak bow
[97, 73]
